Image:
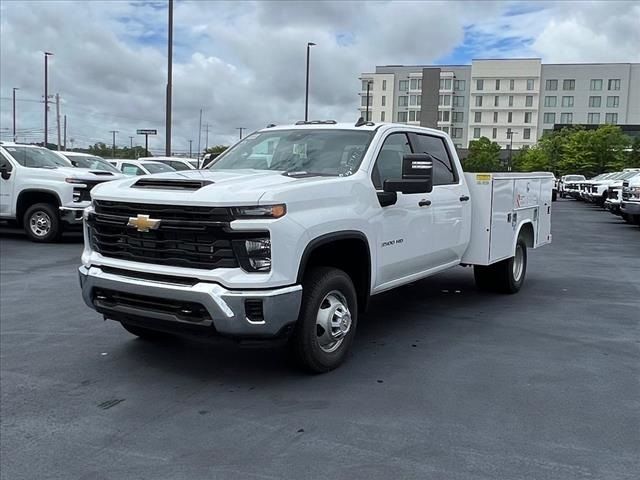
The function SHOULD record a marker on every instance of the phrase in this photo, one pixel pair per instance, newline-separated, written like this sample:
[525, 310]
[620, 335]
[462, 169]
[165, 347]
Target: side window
[444, 173]
[389, 161]
[4, 162]
[129, 169]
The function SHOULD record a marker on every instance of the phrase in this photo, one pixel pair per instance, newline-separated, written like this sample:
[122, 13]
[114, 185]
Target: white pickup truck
[41, 191]
[288, 233]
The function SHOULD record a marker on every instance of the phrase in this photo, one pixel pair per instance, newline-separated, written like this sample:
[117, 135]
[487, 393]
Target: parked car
[630, 205]
[140, 167]
[568, 183]
[177, 163]
[584, 188]
[614, 191]
[597, 192]
[293, 247]
[91, 162]
[42, 192]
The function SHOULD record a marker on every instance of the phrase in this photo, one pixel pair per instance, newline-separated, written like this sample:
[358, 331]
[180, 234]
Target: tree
[634, 154]
[103, 150]
[484, 156]
[534, 159]
[592, 152]
[217, 149]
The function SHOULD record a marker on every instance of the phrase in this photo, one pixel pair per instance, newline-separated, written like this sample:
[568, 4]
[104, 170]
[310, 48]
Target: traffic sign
[146, 132]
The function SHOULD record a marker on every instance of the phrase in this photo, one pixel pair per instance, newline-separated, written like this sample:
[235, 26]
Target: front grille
[85, 192]
[613, 194]
[191, 237]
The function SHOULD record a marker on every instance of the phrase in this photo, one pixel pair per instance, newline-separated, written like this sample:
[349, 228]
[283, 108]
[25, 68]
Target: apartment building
[511, 101]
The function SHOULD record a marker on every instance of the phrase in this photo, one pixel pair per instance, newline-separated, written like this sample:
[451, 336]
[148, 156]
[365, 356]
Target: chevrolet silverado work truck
[290, 232]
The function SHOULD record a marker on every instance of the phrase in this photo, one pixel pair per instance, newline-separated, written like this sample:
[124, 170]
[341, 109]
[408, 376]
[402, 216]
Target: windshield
[91, 162]
[34, 157]
[326, 152]
[573, 178]
[158, 167]
[628, 175]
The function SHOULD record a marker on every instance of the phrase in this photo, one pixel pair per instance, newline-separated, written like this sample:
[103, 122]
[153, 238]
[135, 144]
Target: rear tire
[327, 322]
[144, 333]
[41, 223]
[554, 196]
[506, 276]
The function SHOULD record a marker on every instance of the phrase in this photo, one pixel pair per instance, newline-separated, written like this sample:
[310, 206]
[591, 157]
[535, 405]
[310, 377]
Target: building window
[568, 84]
[479, 84]
[412, 100]
[440, 115]
[476, 133]
[549, 118]
[477, 117]
[530, 83]
[445, 130]
[479, 101]
[512, 84]
[414, 84]
[456, 133]
[528, 101]
[459, 85]
[365, 83]
[567, 101]
[550, 101]
[404, 85]
[457, 117]
[368, 115]
[497, 85]
[384, 101]
[551, 85]
[446, 100]
[510, 117]
[595, 102]
[412, 116]
[596, 84]
[382, 116]
[445, 116]
[458, 101]
[496, 101]
[526, 134]
[613, 102]
[566, 118]
[447, 83]
[364, 101]
[511, 100]
[418, 114]
[527, 117]
[495, 117]
[403, 101]
[384, 84]
[611, 118]
[614, 84]
[402, 117]
[494, 133]
[593, 118]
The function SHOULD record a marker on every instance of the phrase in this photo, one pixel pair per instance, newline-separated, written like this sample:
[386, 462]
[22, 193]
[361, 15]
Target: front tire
[506, 276]
[42, 223]
[327, 322]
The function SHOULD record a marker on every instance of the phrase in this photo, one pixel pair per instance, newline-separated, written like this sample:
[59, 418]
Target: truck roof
[330, 125]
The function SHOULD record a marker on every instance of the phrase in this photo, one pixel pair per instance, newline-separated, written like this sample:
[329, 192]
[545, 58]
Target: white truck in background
[290, 232]
[42, 192]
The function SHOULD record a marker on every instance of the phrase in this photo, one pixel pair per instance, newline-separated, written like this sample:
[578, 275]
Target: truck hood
[218, 187]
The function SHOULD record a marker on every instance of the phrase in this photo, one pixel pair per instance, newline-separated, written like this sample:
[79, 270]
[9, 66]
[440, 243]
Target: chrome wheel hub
[40, 223]
[518, 263]
[333, 321]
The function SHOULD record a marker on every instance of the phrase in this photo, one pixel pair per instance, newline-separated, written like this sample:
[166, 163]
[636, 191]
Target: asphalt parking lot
[443, 382]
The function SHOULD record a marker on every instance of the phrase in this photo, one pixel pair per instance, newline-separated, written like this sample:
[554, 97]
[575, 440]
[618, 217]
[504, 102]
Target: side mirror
[4, 172]
[417, 175]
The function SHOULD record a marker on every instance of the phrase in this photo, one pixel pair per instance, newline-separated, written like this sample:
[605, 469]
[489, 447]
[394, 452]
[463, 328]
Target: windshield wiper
[305, 174]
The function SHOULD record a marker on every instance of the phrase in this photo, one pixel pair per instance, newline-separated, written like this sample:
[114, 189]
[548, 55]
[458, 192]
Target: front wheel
[327, 322]
[506, 276]
[42, 223]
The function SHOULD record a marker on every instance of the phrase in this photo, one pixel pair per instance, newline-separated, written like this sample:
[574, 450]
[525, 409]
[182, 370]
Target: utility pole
[64, 145]
[167, 148]
[206, 142]
[46, 97]
[366, 115]
[131, 142]
[58, 119]
[14, 113]
[199, 134]
[113, 146]
[510, 134]
[306, 95]
[190, 153]
[241, 129]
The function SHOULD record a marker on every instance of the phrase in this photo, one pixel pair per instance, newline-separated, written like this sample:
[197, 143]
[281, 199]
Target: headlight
[266, 211]
[75, 180]
[254, 255]
[634, 192]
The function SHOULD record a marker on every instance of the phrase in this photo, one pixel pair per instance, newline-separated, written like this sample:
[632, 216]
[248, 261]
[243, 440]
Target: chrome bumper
[71, 215]
[225, 308]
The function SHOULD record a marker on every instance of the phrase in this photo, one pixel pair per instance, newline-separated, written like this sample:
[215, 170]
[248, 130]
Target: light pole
[190, 142]
[306, 96]
[510, 134]
[366, 115]
[14, 112]
[241, 129]
[167, 149]
[131, 142]
[46, 97]
[113, 146]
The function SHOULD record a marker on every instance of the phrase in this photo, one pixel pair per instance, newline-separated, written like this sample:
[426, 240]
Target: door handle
[464, 198]
[424, 203]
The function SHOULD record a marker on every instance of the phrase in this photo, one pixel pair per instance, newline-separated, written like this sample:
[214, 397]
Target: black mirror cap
[401, 185]
[417, 166]
[4, 172]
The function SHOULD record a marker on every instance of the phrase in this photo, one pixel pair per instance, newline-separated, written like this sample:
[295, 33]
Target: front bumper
[159, 302]
[72, 215]
[630, 208]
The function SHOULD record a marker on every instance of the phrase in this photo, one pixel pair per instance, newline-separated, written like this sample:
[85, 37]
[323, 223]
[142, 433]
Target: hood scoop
[101, 172]
[171, 184]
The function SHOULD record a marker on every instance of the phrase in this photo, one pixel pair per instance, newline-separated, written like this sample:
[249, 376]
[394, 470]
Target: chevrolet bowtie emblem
[143, 223]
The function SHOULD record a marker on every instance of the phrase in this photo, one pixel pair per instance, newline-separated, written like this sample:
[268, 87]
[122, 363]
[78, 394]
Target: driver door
[402, 229]
[6, 187]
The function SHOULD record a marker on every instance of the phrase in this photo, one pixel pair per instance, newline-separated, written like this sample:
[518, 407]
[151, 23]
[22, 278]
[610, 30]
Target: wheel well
[348, 252]
[31, 197]
[526, 232]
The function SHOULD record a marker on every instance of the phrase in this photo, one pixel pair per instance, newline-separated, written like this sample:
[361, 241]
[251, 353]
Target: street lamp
[14, 112]
[306, 97]
[510, 134]
[46, 97]
[366, 115]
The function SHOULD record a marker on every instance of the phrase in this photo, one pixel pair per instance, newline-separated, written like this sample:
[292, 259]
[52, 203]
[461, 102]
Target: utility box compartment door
[502, 220]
